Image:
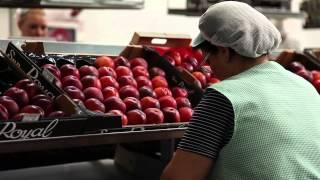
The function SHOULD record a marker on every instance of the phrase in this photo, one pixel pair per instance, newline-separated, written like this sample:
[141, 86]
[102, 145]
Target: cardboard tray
[80, 120]
[57, 127]
[286, 57]
[154, 54]
[174, 77]
[313, 54]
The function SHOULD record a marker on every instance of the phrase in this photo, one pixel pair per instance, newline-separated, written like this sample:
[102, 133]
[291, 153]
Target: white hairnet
[238, 26]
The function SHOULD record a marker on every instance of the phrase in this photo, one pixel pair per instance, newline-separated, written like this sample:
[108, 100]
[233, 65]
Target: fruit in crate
[4, 115]
[20, 96]
[69, 69]
[30, 87]
[127, 80]
[295, 66]
[95, 105]
[191, 60]
[305, 74]
[167, 101]
[312, 76]
[56, 114]
[200, 77]
[183, 102]
[143, 81]
[149, 102]
[121, 61]
[154, 116]
[53, 69]
[32, 109]
[138, 61]
[207, 71]
[175, 55]
[162, 91]
[123, 71]
[155, 71]
[93, 92]
[11, 106]
[159, 81]
[140, 71]
[107, 81]
[315, 83]
[171, 60]
[132, 103]
[171, 115]
[146, 91]
[124, 119]
[114, 103]
[39, 96]
[71, 81]
[109, 92]
[128, 88]
[185, 114]
[104, 61]
[90, 81]
[45, 104]
[107, 71]
[179, 92]
[187, 66]
[136, 116]
[88, 70]
[128, 91]
[213, 80]
[315, 74]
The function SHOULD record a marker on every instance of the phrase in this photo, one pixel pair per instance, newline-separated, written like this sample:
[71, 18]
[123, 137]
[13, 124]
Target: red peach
[136, 116]
[185, 114]
[138, 61]
[114, 103]
[109, 92]
[88, 70]
[132, 103]
[69, 69]
[90, 81]
[94, 104]
[149, 102]
[159, 81]
[167, 101]
[108, 81]
[154, 116]
[104, 61]
[107, 71]
[92, 92]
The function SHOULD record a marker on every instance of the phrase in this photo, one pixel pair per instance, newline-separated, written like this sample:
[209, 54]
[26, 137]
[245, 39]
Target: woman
[33, 23]
[260, 121]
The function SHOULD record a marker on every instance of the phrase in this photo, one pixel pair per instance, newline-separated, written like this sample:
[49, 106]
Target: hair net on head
[238, 26]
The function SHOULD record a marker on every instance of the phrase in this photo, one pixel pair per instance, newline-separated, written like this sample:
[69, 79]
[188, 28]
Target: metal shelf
[87, 4]
[17, 154]
[271, 13]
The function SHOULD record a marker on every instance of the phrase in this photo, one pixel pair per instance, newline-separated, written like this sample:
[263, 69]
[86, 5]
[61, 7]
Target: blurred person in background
[33, 23]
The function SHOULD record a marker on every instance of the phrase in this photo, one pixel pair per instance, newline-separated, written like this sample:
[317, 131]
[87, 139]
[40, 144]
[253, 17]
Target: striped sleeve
[211, 126]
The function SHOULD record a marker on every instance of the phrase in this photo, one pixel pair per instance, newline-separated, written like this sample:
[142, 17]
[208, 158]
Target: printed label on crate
[10, 130]
[48, 75]
[31, 70]
[30, 117]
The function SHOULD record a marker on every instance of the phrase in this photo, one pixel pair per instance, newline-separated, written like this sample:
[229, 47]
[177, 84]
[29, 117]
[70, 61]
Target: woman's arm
[187, 166]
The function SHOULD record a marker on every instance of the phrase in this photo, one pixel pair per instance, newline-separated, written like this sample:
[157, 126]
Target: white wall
[4, 19]
[117, 26]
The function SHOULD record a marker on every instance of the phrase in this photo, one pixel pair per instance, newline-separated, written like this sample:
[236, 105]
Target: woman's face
[34, 25]
[218, 62]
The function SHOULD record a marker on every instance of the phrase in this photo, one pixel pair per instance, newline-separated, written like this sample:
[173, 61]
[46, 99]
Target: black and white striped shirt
[211, 126]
